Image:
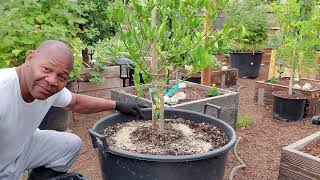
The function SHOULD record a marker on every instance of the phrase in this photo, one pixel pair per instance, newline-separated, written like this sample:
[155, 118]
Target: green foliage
[95, 75]
[109, 50]
[25, 24]
[273, 80]
[97, 26]
[178, 36]
[213, 91]
[217, 65]
[244, 121]
[249, 21]
[220, 43]
[300, 34]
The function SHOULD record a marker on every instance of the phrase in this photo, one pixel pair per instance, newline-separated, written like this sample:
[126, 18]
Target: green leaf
[16, 52]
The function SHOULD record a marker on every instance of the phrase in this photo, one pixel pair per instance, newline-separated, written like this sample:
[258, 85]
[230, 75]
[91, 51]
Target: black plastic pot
[194, 79]
[125, 165]
[248, 63]
[287, 109]
[57, 118]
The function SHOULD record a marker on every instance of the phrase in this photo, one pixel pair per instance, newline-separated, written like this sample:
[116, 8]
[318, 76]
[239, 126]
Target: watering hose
[242, 165]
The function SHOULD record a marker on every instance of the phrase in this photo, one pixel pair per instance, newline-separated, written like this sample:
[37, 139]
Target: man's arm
[84, 104]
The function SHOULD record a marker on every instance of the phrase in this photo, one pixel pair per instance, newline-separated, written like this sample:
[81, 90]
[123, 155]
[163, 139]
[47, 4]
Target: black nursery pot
[125, 165]
[248, 63]
[194, 79]
[287, 109]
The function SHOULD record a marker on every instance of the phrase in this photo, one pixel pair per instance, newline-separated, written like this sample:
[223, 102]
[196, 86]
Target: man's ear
[29, 57]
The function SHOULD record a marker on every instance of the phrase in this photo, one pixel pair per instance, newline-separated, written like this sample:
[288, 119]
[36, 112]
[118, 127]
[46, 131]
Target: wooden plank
[206, 76]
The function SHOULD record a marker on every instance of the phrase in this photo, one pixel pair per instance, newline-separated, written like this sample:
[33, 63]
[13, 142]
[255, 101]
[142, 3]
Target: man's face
[47, 74]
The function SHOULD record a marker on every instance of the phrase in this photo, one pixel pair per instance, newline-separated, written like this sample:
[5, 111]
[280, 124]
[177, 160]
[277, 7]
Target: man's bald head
[55, 48]
[47, 69]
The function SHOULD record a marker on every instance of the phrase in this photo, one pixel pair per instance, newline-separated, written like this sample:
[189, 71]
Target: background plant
[26, 23]
[244, 121]
[300, 37]
[213, 91]
[249, 21]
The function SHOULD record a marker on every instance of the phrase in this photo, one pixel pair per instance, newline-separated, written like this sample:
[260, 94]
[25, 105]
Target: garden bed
[99, 89]
[297, 164]
[263, 94]
[195, 101]
[221, 78]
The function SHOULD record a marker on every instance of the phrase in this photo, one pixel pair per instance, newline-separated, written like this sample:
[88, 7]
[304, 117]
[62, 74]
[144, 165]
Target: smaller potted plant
[298, 50]
[248, 18]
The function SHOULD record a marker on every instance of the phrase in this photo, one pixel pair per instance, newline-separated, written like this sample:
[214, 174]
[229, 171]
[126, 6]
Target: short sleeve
[63, 98]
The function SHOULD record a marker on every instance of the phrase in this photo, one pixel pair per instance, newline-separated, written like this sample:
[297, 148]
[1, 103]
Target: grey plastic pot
[124, 165]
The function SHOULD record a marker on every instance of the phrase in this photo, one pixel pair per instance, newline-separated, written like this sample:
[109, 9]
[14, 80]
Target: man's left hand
[129, 108]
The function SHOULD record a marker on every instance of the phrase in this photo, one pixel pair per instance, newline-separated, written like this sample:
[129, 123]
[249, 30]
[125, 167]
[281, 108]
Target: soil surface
[180, 137]
[259, 147]
[192, 92]
[285, 82]
[294, 95]
[313, 148]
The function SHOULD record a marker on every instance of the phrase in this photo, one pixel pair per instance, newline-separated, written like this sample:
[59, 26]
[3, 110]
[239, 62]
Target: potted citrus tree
[167, 31]
[298, 50]
[248, 18]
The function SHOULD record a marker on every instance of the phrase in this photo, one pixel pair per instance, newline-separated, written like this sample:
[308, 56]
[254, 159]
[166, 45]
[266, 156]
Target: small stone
[224, 68]
[306, 87]
[166, 99]
[296, 86]
[179, 96]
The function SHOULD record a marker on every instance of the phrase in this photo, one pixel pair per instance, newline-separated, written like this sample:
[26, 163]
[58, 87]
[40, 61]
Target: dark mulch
[162, 143]
[313, 148]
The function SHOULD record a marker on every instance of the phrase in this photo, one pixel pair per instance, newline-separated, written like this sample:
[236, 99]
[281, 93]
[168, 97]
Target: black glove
[129, 108]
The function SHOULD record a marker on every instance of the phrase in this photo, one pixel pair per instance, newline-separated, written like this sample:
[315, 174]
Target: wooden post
[206, 73]
[223, 80]
[206, 76]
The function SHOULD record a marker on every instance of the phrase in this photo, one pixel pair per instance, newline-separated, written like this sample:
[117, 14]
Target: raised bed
[228, 101]
[101, 89]
[263, 96]
[225, 78]
[298, 165]
[221, 78]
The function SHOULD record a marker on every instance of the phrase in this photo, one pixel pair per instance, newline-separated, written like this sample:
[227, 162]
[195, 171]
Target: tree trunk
[85, 57]
[157, 107]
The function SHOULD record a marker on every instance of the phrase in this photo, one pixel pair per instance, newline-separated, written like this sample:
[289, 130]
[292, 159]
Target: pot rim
[171, 158]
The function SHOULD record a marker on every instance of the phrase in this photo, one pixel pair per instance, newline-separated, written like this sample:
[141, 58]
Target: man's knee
[73, 143]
